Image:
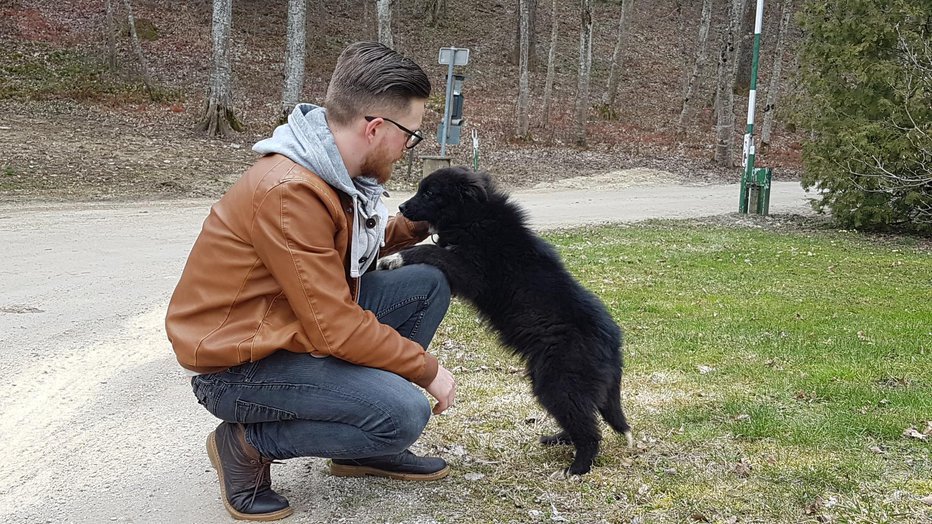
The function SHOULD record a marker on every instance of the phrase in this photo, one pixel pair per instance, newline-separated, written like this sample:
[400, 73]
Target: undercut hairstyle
[370, 79]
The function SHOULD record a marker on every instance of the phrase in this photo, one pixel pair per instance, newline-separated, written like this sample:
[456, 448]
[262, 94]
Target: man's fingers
[443, 404]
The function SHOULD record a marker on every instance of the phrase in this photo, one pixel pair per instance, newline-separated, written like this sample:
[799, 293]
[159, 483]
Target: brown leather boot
[245, 476]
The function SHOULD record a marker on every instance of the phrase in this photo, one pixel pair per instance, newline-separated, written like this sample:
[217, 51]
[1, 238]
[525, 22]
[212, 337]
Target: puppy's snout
[403, 207]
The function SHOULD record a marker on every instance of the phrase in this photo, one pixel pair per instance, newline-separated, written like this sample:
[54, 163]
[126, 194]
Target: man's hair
[372, 78]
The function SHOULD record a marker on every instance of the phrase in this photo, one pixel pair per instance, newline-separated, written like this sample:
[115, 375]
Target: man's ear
[371, 128]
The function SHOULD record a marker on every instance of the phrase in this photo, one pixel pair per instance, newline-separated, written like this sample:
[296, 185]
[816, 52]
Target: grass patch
[769, 377]
[36, 71]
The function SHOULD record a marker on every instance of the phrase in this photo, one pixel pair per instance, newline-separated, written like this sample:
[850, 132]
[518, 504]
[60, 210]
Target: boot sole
[342, 470]
[215, 462]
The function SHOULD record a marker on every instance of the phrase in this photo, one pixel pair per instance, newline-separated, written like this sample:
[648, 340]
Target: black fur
[566, 337]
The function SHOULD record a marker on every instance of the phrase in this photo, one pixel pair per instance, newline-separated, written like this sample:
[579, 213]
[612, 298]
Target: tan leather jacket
[269, 271]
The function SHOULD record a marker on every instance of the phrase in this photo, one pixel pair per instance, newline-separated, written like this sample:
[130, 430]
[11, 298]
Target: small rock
[474, 476]
[927, 500]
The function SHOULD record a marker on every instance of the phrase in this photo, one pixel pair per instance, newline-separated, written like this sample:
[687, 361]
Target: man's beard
[375, 166]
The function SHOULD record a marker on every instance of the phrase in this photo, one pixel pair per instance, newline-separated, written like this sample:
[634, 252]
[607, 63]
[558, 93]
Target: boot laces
[263, 476]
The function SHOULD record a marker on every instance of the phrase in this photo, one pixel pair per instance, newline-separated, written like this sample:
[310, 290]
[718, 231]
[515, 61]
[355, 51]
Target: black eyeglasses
[414, 137]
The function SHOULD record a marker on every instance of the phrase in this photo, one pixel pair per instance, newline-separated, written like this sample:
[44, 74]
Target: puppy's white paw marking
[630, 438]
[391, 262]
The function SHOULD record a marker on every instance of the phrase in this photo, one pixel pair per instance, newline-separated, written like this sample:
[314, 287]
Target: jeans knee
[410, 417]
[439, 287]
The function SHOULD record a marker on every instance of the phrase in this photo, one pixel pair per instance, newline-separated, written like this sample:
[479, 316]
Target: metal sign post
[755, 183]
[475, 150]
[450, 56]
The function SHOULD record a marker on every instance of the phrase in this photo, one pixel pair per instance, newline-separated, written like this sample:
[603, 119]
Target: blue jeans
[297, 405]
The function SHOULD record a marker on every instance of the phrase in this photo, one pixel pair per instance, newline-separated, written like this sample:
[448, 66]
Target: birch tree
[773, 86]
[295, 50]
[551, 65]
[218, 118]
[705, 22]
[614, 71]
[111, 37]
[137, 46]
[385, 23]
[725, 95]
[531, 6]
[585, 68]
[522, 68]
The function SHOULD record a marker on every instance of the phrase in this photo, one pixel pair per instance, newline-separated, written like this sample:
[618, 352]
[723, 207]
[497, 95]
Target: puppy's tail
[613, 414]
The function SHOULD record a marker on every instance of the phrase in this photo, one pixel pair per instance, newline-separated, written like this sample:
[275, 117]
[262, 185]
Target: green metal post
[748, 156]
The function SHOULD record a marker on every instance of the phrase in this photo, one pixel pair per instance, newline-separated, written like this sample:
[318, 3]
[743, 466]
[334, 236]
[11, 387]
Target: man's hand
[443, 388]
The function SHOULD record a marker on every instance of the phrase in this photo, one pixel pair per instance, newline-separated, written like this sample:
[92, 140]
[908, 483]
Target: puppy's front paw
[391, 262]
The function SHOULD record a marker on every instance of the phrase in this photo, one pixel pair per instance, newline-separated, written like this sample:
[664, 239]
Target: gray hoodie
[306, 140]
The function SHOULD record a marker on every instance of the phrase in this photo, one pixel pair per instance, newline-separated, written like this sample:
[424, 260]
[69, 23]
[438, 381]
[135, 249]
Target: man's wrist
[431, 366]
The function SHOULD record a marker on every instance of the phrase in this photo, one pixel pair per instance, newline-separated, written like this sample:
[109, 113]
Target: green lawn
[770, 375]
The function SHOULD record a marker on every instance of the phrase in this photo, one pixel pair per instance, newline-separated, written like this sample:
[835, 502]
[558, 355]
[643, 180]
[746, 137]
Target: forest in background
[844, 90]
[657, 49]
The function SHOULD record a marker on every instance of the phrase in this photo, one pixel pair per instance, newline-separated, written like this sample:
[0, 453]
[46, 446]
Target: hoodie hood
[307, 140]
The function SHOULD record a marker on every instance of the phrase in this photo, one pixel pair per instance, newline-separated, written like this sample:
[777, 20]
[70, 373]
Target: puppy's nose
[402, 207]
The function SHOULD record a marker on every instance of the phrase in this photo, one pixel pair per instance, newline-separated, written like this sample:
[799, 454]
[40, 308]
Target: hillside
[70, 129]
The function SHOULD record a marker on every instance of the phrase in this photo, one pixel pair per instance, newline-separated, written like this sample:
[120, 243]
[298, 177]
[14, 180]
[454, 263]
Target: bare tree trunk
[296, 48]
[218, 119]
[385, 23]
[143, 66]
[725, 95]
[744, 47]
[532, 35]
[773, 87]
[436, 10]
[585, 68]
[614, 71]
[111, 38]
[522, 68]
[701, 55]
[551, 64]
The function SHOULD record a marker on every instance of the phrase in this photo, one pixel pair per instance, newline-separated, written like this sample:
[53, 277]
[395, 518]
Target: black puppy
[566, 337]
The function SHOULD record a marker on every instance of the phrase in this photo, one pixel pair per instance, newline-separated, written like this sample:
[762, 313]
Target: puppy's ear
[476, 188]
[485, 178]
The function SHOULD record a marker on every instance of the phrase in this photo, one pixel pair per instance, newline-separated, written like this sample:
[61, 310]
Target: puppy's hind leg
[613, 414]
[576, 415]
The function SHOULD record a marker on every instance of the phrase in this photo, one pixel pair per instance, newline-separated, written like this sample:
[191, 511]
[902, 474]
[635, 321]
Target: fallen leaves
[818, 506]
[914, 433]
[743, 467]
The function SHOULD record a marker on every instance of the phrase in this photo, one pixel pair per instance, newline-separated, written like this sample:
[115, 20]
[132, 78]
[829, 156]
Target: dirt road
[97, 421]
